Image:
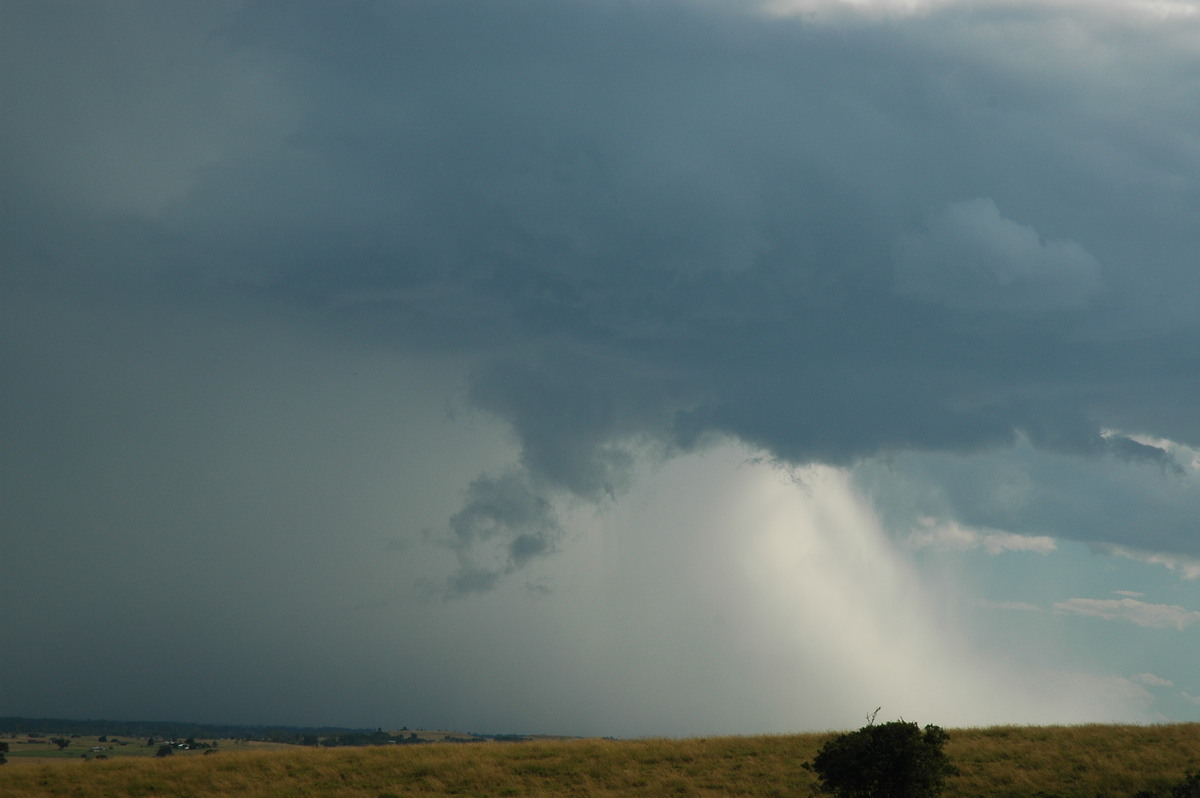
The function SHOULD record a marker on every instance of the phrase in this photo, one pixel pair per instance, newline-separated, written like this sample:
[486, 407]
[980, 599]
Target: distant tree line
[380, 737]
[156, 732]
[168, 730]
[377, 737]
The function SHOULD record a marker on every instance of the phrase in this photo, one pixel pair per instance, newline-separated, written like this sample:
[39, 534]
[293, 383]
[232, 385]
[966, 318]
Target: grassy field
[1001, 762]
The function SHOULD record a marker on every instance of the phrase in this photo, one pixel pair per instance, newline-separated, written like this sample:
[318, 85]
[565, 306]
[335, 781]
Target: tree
[3, 748]
[61, 742]
[891, 760]
[165, 750]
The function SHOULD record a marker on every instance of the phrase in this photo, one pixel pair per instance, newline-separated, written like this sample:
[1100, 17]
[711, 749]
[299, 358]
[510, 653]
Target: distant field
[24, 750]
[1000, 762]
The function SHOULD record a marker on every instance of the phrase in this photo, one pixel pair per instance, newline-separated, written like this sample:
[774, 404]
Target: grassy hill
[1067, 762]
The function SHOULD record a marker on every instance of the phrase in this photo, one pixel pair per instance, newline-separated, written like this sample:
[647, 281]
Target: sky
[604, 367]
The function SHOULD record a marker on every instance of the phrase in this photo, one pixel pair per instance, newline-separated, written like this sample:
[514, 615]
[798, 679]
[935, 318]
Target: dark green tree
[891, 760]
[165, 750]
[61, 742]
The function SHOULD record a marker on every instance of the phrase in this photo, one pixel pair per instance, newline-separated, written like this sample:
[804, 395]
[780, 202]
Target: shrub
[891, 760]
[1188, 788]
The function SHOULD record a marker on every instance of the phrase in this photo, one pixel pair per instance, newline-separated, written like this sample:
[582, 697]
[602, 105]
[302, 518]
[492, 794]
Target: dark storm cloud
[504, 508]
[971, 258]
[649, 225]
[1134, 495]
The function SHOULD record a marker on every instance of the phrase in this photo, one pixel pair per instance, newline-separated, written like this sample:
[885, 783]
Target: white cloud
[1167, 9]
[1101, 688]
[1185, 566]
[1150, 680]
[1153, 616]
[1118, 688]
[953, 536]
[870, 8]
[1157, 10]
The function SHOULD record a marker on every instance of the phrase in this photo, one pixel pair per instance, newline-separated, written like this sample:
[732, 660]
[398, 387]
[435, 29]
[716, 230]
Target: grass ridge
[1087, 761]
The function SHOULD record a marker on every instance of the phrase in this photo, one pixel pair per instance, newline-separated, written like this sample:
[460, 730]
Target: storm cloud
[951, 250]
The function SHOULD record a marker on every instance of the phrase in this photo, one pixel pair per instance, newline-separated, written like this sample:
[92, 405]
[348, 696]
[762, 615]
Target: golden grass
[1001, 762]
[1096, 761]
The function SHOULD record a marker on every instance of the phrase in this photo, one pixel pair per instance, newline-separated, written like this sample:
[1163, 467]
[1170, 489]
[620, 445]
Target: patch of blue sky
[1073, 609]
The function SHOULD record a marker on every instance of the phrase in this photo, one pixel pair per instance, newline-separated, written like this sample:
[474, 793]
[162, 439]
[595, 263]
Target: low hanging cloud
[851, 240]
[504, 523]
[1140, 509]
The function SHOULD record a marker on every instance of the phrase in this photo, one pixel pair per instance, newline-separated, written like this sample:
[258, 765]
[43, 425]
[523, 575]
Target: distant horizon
[326, 728]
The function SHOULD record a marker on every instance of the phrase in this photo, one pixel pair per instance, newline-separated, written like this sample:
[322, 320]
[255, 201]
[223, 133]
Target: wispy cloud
[1150, 680]
[1019, 606]
[1153, 616]
[1186, 566]
[953, 536]
[1100, 688]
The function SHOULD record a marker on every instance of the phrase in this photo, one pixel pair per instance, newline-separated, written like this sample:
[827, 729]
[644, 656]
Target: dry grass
[1096, 761]
[1068, 762]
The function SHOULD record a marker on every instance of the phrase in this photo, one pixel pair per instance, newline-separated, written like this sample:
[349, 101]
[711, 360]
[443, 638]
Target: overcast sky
[600, 368]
